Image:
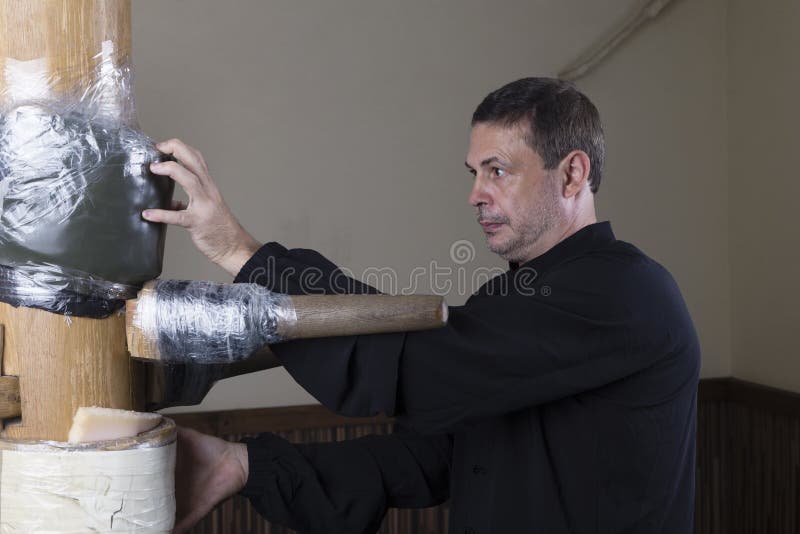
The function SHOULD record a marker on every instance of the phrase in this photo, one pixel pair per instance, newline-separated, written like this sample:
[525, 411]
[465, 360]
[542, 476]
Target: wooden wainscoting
[298, 424]
[748, 460]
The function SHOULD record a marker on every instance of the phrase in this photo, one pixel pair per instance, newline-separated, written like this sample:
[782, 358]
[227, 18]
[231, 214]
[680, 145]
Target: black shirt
[561, 398]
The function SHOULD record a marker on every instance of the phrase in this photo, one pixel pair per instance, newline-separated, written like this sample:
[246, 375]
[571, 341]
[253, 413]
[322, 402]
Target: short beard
[531, 229]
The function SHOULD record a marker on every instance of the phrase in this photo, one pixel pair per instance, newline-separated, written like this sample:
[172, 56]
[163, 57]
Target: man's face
[516, 198]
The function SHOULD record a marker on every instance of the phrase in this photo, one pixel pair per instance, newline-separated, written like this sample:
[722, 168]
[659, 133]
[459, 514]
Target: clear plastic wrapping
[208, 322]
[53, 288]
[74, 179]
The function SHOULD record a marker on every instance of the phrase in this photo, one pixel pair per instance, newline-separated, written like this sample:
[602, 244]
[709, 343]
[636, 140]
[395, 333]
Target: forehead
[488, 140]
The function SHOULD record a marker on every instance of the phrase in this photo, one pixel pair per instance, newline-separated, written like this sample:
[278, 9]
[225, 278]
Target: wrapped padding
[208, 322]
[51, 288]
[74, 179]
[55, 487]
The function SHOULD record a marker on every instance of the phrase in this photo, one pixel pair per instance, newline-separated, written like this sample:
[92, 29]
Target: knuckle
[199, 156]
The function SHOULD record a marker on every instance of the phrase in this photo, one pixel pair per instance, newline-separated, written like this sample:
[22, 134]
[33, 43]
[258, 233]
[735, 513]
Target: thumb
[166, 216]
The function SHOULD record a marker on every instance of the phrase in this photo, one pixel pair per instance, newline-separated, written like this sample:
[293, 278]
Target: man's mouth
[490, 226]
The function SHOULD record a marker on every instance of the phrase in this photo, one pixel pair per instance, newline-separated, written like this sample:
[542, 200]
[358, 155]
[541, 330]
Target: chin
[507, 251]
[501, 249]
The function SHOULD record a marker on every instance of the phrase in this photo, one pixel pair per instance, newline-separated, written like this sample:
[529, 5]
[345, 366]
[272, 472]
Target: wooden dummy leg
[63, 363]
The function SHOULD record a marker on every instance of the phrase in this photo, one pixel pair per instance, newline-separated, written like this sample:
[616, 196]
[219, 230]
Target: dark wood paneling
[748, 460]
[298, 424]
[282, 419]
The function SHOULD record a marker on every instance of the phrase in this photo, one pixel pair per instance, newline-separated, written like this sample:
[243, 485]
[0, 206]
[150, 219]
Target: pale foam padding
[100, 424]
[72, 491]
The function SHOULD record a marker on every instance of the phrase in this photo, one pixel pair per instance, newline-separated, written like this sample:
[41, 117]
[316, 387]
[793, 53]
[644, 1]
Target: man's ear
[574, 170]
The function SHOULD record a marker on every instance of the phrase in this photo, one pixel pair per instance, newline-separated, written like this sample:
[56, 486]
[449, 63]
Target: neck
[560, 231]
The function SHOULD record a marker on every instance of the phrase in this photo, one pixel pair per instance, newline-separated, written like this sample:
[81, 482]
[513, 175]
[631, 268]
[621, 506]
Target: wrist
[238, 256]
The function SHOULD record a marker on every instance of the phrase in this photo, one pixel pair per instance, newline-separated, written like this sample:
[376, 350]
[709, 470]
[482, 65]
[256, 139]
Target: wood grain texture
[65, 363]
[279, 419]
[315, 316]
[67, 33]
[9, 390]
[9, 397]
[332, 315]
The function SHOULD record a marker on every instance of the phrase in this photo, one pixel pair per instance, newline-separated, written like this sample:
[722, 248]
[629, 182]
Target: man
[560, 398]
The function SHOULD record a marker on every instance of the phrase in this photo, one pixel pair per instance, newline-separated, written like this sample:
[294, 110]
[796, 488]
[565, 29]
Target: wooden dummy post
[53, 363]
[61, 362]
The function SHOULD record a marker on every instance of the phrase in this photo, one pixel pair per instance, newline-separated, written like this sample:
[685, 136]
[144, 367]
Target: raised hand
[213, 228]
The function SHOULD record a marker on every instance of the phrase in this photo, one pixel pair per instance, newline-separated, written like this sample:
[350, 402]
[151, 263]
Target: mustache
[489, 218]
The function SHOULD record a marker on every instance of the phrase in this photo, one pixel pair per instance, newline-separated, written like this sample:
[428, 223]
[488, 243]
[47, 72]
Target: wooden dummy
[53, 363]
[62, 363]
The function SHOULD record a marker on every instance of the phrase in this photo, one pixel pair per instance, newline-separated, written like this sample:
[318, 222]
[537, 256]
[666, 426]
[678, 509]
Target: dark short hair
[559, 118]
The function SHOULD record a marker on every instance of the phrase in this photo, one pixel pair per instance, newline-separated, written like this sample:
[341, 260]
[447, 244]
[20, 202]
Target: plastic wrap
[207, 322]
[74, 179]
[51, 288]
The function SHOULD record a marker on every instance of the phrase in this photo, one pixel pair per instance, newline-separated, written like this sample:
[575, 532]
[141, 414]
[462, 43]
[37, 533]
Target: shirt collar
[588, 238]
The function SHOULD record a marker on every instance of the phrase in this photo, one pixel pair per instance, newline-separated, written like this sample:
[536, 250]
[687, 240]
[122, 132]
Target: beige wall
[342, 126]
[763, 110]
[663, 101]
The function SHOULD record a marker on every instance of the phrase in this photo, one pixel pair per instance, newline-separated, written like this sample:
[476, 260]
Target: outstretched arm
[498, 353]
[313, 488]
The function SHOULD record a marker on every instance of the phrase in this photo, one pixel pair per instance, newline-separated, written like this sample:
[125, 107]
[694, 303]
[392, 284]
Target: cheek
[520, 209]
[513, 203]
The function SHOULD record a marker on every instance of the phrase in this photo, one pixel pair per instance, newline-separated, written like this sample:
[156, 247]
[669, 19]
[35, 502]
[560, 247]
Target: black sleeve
[297, 272]
[345, 487]
[604, 318]
[357, 385]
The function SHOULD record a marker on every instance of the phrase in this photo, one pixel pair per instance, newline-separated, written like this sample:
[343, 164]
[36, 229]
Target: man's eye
[498, 172]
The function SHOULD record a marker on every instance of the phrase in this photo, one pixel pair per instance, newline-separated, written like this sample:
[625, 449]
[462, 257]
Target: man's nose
[479, 196]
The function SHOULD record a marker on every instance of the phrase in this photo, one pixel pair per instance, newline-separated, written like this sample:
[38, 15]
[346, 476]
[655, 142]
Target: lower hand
[208, 470]
[212, 226]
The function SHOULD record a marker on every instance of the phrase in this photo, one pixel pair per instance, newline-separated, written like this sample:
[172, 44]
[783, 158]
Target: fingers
[186, 178]
[178, 218]
[190, 157]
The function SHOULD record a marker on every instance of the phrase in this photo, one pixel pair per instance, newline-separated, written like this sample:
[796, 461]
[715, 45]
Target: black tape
[71, 228]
